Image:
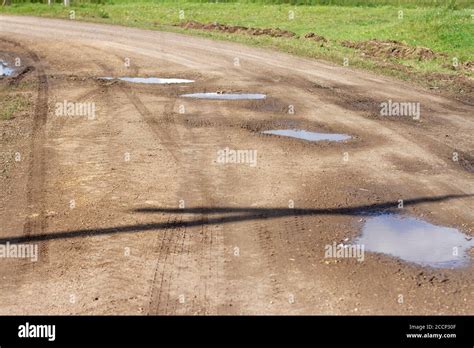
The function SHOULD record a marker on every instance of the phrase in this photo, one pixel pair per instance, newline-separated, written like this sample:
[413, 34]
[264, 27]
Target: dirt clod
[273, 32]
[315, 37]
[392, 49]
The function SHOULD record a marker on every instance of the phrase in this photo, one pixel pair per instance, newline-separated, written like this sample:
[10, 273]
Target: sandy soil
[133, 215]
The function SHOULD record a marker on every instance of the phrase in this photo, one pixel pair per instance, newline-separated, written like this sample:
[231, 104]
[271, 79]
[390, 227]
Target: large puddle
[415, 240]
[310, 136]
[4, 69]
[148, 80]
[225, 96]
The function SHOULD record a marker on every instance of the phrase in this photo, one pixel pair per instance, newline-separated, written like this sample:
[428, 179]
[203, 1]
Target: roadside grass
[443, 29]
[453, 4]
[12, 104]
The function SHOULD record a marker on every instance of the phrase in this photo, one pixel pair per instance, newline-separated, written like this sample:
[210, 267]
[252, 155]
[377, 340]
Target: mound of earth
[274, 32]
[462, 87]
[391, 49]
[315, 37]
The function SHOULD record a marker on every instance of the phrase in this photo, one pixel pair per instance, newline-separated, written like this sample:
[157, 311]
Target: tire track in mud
[168, 275]
[179, 252]
[161, 275]
[159, 302]
[172, 243]
[276, 242]
[265, 240]
[188, 248]
[273, 240]
[35, 222]
[200, 238]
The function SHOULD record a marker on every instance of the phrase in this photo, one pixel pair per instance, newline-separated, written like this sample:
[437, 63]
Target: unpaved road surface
[133, 215]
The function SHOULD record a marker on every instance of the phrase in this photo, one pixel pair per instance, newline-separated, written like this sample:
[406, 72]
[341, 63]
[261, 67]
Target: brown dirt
[273, 32]
[236, 247]
[392, 49]
[315, 37]
[469, 65]
[467, 162]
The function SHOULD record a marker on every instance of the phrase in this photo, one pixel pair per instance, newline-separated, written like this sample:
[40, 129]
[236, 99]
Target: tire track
[269, 251]
[35, 222]
[276, 241]
[205, 271]
[171, 269]
[182, 252]
[163, 275]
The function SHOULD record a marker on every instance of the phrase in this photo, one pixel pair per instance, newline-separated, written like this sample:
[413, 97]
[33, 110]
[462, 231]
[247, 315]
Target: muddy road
[134, 213]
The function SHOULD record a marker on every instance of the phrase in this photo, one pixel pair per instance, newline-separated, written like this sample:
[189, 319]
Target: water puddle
[148, 80]
[225, 96]
[4, 69]
[305, 135]
[415, 240]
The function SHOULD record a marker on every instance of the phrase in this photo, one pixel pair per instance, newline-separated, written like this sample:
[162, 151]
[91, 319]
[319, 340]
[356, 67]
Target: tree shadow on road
[223, 215]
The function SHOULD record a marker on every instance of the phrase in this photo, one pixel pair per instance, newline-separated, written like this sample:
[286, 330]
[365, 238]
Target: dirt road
[133, 214]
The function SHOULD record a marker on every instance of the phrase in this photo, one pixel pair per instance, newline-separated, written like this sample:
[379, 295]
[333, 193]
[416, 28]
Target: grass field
[446, 27]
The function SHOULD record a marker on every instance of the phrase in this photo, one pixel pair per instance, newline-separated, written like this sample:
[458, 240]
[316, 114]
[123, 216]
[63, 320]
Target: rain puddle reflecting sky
[225, 96]
[148, 80]
[310, 136]
[4, 69]
[414, 240]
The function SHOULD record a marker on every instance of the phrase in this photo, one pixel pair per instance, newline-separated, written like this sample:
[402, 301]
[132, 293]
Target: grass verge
[12, 104]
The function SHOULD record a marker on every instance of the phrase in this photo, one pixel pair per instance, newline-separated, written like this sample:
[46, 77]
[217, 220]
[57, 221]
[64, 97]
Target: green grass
[12, 104]
[446, 26]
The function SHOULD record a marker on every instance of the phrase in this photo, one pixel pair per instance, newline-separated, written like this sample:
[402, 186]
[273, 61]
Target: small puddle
[415, 240]
[148, 80]
[305, 135]
[225, 96]
[4, 69]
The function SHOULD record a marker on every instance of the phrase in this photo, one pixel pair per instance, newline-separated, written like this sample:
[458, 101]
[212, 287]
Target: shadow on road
[225, 215]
